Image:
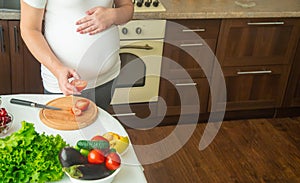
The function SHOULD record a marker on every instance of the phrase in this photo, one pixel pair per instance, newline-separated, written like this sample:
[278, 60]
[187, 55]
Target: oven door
[139, 77]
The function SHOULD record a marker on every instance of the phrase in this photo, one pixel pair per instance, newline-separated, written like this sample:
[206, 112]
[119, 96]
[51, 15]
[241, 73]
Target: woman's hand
[99, 18]
[96, 20]
[63, 74]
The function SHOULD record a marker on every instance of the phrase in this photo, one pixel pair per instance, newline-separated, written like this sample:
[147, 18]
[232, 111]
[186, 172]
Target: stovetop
[148, 6]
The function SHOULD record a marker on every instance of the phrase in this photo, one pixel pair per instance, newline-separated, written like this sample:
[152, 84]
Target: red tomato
[99, 137]
[76, 111]
[96, 156]
[79, 84]
[113, 161]
[82, 104]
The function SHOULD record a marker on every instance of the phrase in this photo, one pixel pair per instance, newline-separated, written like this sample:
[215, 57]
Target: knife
[32, 104]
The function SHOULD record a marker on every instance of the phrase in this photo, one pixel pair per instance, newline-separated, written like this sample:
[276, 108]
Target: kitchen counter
[207, 9]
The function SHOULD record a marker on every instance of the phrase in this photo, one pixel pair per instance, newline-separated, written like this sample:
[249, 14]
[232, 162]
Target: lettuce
[26, 156]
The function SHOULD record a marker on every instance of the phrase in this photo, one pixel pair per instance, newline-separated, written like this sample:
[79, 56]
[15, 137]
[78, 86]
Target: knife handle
[22, 102]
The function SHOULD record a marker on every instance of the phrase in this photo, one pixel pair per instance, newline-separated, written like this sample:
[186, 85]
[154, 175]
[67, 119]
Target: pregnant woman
[79, 40]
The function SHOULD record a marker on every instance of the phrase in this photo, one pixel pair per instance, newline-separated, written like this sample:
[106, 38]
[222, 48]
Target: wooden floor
[246, 151]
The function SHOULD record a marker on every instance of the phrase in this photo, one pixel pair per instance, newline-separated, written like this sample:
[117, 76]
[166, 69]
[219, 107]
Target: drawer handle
[2, 39]
[124, 114]
[265, 23]
[191, 45]
[186, 84]
[16, 39]
[254, 72]
[193, 30]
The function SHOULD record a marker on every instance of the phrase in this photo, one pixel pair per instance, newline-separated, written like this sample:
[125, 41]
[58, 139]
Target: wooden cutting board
[64, 119]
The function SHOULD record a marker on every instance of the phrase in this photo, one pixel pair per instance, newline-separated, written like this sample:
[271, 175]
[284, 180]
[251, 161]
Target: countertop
[209, 9]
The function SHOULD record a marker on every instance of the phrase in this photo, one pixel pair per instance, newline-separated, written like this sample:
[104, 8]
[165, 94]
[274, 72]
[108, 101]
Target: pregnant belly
[100, 57]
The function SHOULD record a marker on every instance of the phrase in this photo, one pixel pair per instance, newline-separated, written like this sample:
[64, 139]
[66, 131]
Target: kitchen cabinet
[292, 96]
[256, 56]
[138, 115]
[22, 69]
[246, 42]
[5, 77]
[255, 87]
[181, 72]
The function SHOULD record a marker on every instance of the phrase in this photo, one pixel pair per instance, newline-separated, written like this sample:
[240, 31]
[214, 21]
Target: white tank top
[95, 57]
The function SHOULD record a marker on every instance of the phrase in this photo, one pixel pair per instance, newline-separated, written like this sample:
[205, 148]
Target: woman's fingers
[96, 20]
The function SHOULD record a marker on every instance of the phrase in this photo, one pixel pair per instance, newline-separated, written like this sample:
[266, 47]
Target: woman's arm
[31, 32]
[100, 18]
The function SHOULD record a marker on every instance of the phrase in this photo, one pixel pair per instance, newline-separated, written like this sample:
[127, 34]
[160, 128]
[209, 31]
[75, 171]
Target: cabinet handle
[124, 114]
[191, 45]
[185, 84]
[254, 72]
[2, 39]
[265, 23]
[193, 30]
[16, 39]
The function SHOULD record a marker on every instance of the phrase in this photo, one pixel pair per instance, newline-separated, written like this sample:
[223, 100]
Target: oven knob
[155, 3]
[138, 30]
[139, 3]
[148, 3]
[124, 30]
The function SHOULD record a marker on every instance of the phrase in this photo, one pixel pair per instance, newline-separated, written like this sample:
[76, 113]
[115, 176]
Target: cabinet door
[5, 79]
[292, 97]
[250, 88]
[246, 42]
[187, 102]
[25, 69]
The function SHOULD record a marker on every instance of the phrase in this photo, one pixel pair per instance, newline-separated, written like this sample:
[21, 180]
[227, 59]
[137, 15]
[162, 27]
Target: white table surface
[131, 170]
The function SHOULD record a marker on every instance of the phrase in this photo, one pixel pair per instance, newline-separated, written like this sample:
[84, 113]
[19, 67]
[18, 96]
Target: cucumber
[89, 144]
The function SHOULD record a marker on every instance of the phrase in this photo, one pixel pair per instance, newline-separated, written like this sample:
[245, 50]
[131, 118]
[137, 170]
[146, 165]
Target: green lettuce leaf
[26, 156]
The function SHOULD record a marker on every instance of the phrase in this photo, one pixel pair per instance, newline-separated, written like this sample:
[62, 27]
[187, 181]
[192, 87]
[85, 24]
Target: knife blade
[32, 104]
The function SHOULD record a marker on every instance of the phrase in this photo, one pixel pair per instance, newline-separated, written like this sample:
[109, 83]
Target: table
[131, 170]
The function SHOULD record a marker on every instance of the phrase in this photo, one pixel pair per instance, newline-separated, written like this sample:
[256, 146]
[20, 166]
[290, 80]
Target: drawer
[183, 96]
[185, 29]
[186, 58]
[137, 115]
[259, 87]
[249, 42]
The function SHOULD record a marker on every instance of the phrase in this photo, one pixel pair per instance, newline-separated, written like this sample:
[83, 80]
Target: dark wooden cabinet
[138, 115]
[23, 68]
[188, 58]
[246, 42]
[255, 87]
[256, 56]
[292, 97]
[5, 74]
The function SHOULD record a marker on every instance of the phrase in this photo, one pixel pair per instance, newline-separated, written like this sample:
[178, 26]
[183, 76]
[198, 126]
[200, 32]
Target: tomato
[79, 84]
[82, 104]
[99, 137]
[76, 111]
[113, 161]
[96, 156]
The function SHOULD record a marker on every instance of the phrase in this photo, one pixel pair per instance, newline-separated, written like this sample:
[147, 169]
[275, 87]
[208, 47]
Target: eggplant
[69, 156]
[88, 171]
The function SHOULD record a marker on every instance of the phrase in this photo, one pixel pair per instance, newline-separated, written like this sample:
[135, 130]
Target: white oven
[141, 55]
